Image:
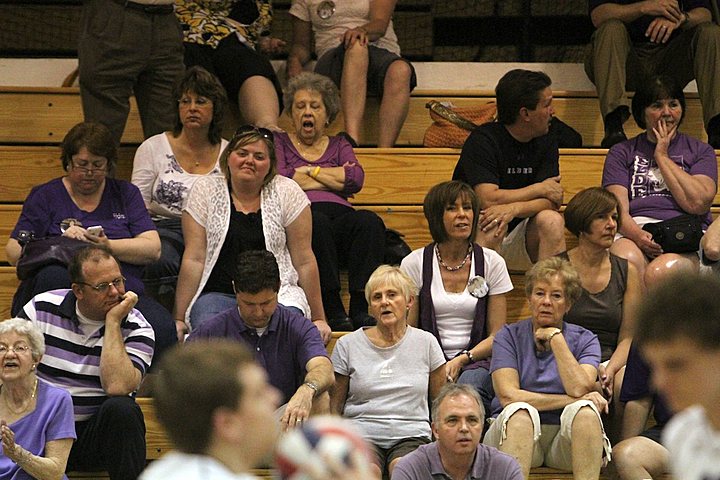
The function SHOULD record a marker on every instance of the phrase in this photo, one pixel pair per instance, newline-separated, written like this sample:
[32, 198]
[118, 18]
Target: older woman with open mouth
[327, 169]
[37, 427]
[384, 374]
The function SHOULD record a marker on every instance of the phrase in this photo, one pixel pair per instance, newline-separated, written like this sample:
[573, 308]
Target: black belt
[149, 9]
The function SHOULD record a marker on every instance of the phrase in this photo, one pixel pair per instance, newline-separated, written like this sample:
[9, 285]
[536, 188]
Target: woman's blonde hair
[544, 270]
[390, 275]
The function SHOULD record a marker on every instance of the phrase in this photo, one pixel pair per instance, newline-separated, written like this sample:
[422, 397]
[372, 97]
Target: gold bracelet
[315, 172]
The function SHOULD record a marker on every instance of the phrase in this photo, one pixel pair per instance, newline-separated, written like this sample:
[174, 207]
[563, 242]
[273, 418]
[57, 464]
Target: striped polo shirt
[72, 358]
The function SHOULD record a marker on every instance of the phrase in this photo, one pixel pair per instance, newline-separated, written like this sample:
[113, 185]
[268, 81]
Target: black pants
[343, 236]
[113, 439]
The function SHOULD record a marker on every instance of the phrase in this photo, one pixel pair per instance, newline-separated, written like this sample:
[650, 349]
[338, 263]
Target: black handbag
[679, 234]
[41, 252]
[395, 247]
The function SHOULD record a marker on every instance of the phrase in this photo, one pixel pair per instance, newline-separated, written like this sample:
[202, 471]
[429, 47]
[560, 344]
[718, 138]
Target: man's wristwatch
[552, 335]
[469, 355]
[686, 19]
[313, 387]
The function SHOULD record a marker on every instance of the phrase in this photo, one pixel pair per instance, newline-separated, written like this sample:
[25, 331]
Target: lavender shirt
[514, 347]
[121, 212]
[51, 420]
[338, 153]
[631, 164]
[291, 340]
[425, 463]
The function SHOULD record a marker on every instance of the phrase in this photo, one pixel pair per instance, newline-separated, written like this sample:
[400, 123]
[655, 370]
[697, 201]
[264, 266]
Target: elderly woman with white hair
[384, 374]
[547, 411]
[37, 427]
[327, 169]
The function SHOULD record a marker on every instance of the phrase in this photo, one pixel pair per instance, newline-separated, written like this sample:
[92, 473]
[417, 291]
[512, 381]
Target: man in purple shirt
[285, 343]
[458, 418]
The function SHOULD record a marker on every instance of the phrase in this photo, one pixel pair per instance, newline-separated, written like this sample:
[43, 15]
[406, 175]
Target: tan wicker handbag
[452, 125]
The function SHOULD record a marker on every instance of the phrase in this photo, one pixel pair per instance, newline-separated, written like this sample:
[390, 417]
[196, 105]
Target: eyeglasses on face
[199, 101]
[104, 286]
[18, 349]
[248, 129]
[91, 170]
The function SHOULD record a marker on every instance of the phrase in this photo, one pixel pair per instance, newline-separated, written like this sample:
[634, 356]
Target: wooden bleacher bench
[395, 184]
[42, 115]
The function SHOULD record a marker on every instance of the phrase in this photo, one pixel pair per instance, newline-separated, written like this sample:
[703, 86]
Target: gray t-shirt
[388, 392]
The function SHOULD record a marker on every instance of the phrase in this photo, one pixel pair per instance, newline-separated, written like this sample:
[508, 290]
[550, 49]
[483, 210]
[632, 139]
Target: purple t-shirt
[425, 463]
[51, 420]
[514, 347]
[289, 342]
[338, 153]
[631, 164]
[121, 213]
[636, 385]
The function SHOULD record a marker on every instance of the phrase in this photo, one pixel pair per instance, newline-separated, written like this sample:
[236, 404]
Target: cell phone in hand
[96, 230]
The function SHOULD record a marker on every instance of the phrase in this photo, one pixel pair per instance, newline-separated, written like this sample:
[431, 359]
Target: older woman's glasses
[104, 286]
[18, 349]
[247, 129]
[90, 169]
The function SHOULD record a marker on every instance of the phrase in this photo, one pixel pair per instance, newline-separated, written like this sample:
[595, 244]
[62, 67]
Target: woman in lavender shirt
[658, 175]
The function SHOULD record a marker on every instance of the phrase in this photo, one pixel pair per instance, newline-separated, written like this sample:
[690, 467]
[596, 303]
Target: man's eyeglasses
[248, 129]
[91, 170]
[104, 286]
[18, 349]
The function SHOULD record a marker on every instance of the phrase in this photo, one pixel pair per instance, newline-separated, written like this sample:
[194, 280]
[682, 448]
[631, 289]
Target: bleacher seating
[34, 120]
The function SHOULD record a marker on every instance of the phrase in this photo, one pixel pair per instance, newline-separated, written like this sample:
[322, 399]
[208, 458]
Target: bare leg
[353, 88]
[669, 264]
[627, 249]
[545, 235]
[639, 458]
[587, 445]
[258, 102]
[395, 102]
[519, 441]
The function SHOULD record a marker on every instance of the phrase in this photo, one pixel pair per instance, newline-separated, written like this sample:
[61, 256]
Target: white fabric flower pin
[478, 286]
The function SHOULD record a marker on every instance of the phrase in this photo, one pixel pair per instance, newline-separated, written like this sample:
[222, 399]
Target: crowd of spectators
[243, 240]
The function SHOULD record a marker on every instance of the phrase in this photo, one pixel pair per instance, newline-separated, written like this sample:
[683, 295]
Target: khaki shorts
[553, 443]
[514, 250]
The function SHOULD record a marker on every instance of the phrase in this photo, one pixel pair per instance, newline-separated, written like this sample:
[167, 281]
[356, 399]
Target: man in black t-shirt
[513, 167]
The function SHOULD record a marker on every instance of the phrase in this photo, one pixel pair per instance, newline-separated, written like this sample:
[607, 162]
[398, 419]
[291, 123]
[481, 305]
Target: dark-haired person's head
[97, 281]
[208, 92]
[587, 206]
[443, 196]
[653, 93]
[256, 282]
[210, 394]
[97, 140]
[678, 330]
[519, 89]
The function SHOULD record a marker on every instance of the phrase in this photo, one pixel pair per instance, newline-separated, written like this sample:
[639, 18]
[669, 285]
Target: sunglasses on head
[248, 129]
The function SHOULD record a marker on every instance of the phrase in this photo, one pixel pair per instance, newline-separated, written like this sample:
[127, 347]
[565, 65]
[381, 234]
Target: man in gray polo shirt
[458, 419]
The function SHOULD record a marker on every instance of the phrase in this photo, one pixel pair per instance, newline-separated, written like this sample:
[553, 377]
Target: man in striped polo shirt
[98, 348]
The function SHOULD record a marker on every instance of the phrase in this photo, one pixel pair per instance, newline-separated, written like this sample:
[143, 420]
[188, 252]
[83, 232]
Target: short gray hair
[455, 390]
[390, 275]
[27, 328]
[315, 83]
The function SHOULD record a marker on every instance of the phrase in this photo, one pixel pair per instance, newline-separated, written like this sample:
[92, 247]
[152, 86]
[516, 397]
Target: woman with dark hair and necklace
[462, 286]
